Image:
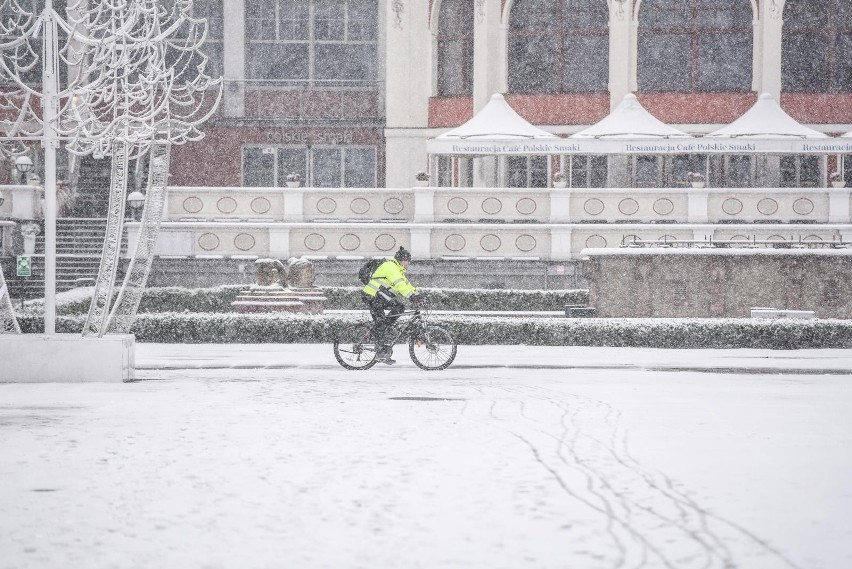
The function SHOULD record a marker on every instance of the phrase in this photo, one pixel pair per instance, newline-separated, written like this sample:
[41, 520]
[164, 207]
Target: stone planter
[698, 184]
[421, 183]
[562, 184]
[293, 184]
[838, 184]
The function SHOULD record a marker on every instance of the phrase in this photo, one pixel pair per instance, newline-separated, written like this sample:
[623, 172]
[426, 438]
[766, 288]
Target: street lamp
[24, 165]
[136, 200]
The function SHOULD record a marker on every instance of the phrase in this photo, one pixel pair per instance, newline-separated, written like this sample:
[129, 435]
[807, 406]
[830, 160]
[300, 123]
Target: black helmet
[402, 255]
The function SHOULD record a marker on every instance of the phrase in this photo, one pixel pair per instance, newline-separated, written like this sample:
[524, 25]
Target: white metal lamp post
[136, 200]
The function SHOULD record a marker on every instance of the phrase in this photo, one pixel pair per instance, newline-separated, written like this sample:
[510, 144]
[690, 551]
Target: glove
[418, 300]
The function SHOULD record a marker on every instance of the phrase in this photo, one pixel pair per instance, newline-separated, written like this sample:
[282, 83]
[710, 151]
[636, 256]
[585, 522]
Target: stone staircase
[91, 191]
[79, 245]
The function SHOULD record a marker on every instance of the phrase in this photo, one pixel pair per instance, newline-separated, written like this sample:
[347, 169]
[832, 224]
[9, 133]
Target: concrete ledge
[66, 358]
[779, 313]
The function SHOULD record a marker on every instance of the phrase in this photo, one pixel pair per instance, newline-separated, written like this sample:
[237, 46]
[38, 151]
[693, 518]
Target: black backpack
[365, 273]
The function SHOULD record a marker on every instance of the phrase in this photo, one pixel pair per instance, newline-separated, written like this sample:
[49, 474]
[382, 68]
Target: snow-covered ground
[582, 458]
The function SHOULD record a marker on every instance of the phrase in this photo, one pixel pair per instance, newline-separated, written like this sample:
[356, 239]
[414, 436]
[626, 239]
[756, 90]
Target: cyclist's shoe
[384, 356]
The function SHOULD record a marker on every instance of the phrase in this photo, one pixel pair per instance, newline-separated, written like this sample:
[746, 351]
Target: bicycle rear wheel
[432, 348]
[354, 347]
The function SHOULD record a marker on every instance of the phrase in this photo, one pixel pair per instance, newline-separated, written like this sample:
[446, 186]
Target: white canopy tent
[495, 130]
[631, 129]
[765, 129]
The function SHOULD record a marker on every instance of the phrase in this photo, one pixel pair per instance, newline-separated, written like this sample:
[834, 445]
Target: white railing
[492, 223]
[502, 205]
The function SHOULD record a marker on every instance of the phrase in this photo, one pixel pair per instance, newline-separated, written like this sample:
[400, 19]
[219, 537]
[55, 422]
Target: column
[421, 242]
[294, 199]
[234, 45]
[697, 206]
[407, 43]
[768, 43]
[622, 57]
[560, 205]
[560, 243]
[279, 242]
[424, 205]
[489, 53]
[838, 205]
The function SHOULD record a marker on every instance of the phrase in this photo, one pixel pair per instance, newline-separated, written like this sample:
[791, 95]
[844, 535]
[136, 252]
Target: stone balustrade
[478, 223]
[511, 205]
[515, 241]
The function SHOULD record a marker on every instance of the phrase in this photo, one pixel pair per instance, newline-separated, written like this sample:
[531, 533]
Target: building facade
[345, 93]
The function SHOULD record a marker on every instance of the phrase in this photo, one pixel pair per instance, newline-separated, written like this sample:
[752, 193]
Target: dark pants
[378, 305]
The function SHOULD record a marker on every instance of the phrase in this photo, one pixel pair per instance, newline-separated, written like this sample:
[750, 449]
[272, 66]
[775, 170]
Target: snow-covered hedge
[218, 299]
[652, 333]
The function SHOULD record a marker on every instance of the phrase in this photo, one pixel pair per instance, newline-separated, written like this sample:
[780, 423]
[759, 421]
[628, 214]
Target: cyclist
[387, 284]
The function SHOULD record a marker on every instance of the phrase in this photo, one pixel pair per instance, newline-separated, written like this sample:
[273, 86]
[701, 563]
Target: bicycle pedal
[388, 361]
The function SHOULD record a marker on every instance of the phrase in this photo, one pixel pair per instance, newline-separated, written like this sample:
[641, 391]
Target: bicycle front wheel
[354, 347]
[432, 348]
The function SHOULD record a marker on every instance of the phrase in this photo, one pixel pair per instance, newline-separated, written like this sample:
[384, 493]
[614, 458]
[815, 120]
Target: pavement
[165, 357]
[273, 456]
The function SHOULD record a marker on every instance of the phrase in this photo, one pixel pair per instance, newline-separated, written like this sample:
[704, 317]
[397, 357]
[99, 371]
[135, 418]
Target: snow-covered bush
[218, 299]
[471, 330]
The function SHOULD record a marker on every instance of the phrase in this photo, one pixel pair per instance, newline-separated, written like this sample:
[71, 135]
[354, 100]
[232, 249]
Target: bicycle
[430, 347]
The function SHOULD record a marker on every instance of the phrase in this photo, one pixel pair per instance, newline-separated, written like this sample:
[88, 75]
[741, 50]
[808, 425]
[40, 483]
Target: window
[800, 171]
[738, 172]
[320, 167]
[681, 165]
[445, 171]
[695, 45]
[815, 46]
[646, 172]
[559, 46]
[455, 48]
[588, 171]
[462, 166]
[330, 43]
[526, 171]
[186, 63]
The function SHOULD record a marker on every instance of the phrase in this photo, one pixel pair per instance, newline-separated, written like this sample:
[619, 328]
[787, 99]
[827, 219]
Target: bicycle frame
[405, 327]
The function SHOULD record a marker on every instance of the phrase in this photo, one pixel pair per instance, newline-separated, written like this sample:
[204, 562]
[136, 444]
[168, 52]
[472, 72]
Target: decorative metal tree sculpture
[133, 85]
[8, 322]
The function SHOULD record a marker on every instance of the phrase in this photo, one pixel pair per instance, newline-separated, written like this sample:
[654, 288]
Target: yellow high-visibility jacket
[389, 275]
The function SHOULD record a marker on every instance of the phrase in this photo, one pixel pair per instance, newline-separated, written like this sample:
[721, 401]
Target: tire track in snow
[650, 523]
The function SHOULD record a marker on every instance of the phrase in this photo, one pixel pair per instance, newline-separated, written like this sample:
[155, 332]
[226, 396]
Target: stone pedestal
[264, 299]
[66, 358]
[271, 295]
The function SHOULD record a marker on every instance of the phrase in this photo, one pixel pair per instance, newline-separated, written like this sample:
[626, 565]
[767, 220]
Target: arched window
[559, 46]
[455, 48]
[324, 43]
[695, 45]
[816, 46]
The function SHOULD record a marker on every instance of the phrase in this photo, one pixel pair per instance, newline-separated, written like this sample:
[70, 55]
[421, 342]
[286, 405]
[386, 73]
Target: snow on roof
[497, 121]
[630, 120]
[766, 119]
[847, 135]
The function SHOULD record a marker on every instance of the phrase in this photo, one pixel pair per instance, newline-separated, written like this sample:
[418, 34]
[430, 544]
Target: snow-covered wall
[665, 283]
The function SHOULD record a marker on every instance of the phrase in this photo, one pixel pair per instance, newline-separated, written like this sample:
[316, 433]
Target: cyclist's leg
[381, 327]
